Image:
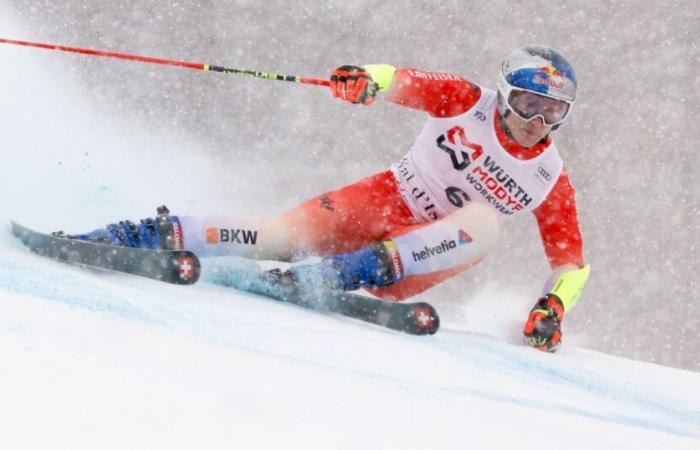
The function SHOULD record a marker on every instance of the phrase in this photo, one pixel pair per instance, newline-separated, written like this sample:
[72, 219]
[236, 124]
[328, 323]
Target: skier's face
[527, 132]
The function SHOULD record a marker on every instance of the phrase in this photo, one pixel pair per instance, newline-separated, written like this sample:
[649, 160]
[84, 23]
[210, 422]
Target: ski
[183, 267]
[412, 318]
[177, 267]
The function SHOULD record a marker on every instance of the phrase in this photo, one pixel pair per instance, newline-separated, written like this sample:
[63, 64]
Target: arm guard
[438, 94]
[382, 74]
[567, 283]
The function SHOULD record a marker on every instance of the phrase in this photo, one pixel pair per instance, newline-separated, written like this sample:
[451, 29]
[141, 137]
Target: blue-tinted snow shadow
[25, 273]
[553, 377]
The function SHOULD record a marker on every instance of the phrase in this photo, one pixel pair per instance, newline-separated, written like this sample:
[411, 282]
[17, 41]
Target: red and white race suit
[461, 156]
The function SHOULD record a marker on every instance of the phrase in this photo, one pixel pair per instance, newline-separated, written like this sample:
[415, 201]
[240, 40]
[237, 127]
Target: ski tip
[20, 231]
[15, 227]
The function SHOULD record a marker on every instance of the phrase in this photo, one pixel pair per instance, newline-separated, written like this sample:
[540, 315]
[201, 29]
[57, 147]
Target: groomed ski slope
[103, 360]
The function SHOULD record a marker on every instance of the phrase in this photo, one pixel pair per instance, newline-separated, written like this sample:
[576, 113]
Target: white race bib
[458, 160]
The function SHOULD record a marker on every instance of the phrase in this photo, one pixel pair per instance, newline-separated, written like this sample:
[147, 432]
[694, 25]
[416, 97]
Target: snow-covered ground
[108, 361]
[101, 360]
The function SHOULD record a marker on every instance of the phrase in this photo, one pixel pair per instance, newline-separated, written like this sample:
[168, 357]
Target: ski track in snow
[480, 368]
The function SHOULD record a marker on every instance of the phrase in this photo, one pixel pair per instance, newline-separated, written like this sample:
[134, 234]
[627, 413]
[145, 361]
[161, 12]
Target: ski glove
[543, 327]
[353, 84]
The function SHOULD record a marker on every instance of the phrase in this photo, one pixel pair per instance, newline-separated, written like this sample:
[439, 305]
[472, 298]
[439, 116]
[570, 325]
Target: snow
[101, 360]
[109, 361]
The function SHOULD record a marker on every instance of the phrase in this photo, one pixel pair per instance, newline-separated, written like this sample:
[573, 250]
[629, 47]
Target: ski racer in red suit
[482, 158]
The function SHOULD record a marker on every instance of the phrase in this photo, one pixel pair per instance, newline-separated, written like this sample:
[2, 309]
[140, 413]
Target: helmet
[536, 81]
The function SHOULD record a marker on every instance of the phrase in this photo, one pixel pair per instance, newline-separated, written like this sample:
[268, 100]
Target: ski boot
[376, 265]
[164, 233]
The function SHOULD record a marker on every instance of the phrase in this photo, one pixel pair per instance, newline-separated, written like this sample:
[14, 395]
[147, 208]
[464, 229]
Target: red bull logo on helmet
[551, 71]
[555, 83]
[555, 80]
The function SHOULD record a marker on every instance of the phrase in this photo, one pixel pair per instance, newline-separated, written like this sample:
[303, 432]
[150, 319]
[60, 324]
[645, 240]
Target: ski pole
[170, 62]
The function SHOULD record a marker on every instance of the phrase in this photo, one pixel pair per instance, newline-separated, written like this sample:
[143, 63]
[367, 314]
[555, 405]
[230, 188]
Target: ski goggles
[527, 105]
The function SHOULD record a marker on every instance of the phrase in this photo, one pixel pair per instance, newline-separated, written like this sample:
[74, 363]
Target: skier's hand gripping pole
[353, 84]
[359, 85]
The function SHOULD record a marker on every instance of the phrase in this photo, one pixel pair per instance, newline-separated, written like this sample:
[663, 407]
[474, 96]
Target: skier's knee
[480, 222]
[464, 237]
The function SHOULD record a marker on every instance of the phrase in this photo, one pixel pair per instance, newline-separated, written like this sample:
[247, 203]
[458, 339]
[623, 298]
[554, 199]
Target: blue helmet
[539, 70]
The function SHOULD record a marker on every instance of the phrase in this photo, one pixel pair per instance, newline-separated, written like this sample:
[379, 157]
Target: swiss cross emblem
[423, 317]
[186, 265]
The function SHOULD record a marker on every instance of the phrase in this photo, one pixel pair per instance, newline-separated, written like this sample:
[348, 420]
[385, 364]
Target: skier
[482, 158]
